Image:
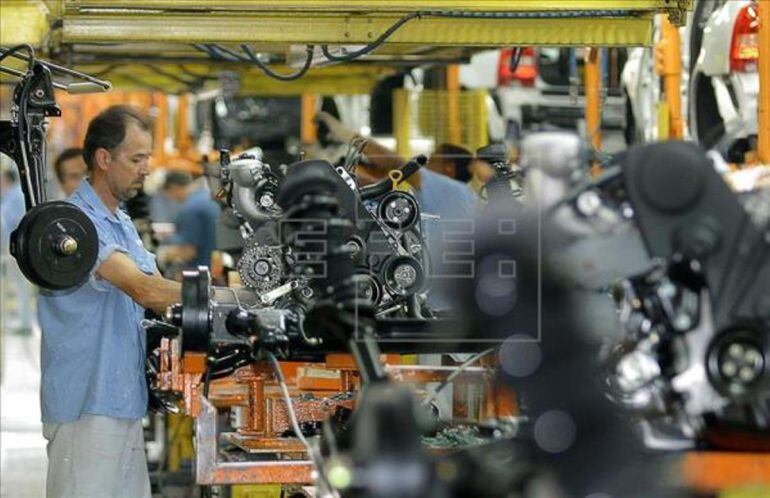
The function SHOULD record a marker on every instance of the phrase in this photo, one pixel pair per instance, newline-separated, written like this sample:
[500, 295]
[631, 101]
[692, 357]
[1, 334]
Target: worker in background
[481, 172]
[70, 169]
[452, 161]
[436, 193]
[196, 227]
[93, 388]
[16, 289]
[165, 206]
[483, 169]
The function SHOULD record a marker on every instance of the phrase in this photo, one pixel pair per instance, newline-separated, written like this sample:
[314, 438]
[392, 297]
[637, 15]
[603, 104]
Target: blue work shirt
[93, 344]
[196, 225]
[450, 237]
[446, 197]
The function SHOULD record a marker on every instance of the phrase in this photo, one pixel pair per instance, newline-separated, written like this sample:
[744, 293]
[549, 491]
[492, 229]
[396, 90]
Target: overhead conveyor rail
[163, 43]
[433, 22]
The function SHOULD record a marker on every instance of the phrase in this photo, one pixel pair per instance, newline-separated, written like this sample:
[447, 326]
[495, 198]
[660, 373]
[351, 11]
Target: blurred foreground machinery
[692, 363]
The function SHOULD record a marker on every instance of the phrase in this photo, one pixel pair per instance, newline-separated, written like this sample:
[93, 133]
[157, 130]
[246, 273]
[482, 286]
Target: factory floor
[21, 440]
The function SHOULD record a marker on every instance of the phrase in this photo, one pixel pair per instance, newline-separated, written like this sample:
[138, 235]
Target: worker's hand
[338, 132]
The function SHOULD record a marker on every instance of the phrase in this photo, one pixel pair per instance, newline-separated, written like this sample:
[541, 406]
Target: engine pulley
[399, 210]
[195, 315]
[404, 275]
[56, 245]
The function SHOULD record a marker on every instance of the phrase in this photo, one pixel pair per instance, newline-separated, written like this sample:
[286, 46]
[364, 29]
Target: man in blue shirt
[196, 229]
[93, 388]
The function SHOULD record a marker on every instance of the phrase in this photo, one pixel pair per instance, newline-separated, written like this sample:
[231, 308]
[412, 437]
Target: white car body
[733, 102]
[736, 93]
[643, 92]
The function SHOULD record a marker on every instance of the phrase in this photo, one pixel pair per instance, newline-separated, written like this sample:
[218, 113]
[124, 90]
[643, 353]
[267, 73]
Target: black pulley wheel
[403, 275]
[56, 245]
[399, 210]
[196, 309]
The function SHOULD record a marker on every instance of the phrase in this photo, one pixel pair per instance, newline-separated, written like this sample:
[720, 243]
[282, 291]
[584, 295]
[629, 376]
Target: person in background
[70, 169]
[196, 227]
[451, 161]
[16, 289]
[481, 172]
[165, 206]
[12, 207]
[93, 387]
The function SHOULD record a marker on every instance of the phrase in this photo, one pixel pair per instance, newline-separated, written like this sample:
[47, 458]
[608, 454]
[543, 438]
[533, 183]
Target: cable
[310, 341]
[222, 53]
[281, 77]
[513, 64]
[12, 52]
[219, 52]
[226, 53]
[372, 46]
[171, 76]
[207, 381]
[311, 451]
[466, 14]
[470, 361]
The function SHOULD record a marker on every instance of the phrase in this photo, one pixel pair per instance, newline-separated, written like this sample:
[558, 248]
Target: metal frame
[209, 470]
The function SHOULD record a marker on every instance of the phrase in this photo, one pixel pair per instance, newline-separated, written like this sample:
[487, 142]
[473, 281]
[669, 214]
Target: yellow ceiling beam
[350, 30]
[369, 6]
[22, 21]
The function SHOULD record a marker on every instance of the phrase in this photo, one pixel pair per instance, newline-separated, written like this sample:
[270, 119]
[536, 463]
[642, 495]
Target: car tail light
[744, 51]
[524, 73]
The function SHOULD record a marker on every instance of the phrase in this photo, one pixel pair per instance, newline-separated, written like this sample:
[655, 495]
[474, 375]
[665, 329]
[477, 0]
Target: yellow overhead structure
[162, 33]
[440, 23]
[175, 78]
[23, 21]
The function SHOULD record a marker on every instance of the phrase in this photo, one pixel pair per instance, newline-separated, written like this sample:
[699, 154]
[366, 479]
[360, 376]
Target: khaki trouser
[95, 456]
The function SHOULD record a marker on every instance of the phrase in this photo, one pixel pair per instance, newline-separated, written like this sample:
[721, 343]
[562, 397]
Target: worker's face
[177, 193]
[481, 170]
[71, 172]
[127, 165]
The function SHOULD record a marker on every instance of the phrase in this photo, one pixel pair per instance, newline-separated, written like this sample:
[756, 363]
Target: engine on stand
[333, 283]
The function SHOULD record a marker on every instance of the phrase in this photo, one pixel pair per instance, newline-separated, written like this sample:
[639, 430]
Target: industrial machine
[331, 277]
[55, 244]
